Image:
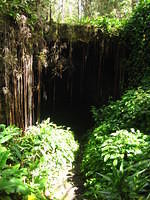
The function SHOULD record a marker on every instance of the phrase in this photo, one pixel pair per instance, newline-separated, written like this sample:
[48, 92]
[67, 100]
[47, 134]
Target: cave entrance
[80, 75]
[72, 110]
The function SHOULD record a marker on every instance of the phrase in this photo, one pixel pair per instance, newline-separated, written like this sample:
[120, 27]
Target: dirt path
[77, 179]
[69, 184]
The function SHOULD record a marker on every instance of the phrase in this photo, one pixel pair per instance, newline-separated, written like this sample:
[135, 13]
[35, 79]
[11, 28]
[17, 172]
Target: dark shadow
[78, 118]
[78, 179]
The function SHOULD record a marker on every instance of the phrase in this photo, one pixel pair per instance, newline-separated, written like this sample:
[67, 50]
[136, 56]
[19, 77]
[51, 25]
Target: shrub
[11, 173]
[136, 34]
[116, 157]
[132, 110]
[30, 163]
[117, 166]
[46, 151]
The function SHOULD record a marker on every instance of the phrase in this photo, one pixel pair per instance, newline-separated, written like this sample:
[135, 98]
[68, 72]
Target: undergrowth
[31, 162]
[117, 155]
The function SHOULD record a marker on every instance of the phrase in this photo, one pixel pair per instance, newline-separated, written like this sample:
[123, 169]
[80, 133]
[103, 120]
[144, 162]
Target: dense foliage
[131, 111]
[116, 157]
[136, 35]
[30, 167]
[108, 25]
[61, 11]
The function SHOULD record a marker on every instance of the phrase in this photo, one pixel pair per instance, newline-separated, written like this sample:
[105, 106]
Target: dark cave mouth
[92, 76]
[78, 117]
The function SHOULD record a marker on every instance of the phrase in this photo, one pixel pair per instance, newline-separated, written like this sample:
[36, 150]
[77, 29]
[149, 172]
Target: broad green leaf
[105, 177]
[121, 167]
[3, 157]
[115, 162]
[5, 139]
[106, 157]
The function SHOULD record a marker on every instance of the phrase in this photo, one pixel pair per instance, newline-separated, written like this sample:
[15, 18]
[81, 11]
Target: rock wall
[65, 67]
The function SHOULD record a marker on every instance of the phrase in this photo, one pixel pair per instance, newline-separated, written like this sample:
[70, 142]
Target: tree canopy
[67, 10]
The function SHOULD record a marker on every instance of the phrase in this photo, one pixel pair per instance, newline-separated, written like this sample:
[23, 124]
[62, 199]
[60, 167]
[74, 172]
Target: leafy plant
[116, 157]
[136, 35]
[11, 177]
[8, 136]
[121, 166]
[31, 163]
[127, 112]
[46, 151]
